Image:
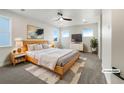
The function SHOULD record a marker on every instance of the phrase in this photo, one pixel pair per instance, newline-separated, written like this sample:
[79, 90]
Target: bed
[54, 59]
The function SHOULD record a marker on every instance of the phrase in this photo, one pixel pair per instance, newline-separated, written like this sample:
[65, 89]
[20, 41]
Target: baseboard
[107, 76]
[118, 74]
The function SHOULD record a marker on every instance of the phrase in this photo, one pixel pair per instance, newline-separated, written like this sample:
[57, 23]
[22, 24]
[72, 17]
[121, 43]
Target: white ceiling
[50, 15]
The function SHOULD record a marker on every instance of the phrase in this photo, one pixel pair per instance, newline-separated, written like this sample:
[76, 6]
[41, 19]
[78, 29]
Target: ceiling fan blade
[67, 19]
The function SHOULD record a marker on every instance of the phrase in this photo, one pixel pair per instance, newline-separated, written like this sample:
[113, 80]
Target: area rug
[71, 77]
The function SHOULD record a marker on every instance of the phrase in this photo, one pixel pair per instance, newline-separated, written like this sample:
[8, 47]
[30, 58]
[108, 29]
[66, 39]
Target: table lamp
[52, 44]
[19, 44]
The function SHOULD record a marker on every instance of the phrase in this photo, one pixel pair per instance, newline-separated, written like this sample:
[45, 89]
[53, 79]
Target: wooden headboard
[32, 41]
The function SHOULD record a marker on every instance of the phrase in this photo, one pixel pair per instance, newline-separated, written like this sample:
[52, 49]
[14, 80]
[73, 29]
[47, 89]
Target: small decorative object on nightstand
[17, 58]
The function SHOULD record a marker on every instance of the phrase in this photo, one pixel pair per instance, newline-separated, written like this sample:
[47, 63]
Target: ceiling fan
[62, 18]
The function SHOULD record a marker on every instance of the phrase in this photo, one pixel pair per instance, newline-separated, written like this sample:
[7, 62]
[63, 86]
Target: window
[5, 34]
[65, 34]
[56, 35]
[87, 32]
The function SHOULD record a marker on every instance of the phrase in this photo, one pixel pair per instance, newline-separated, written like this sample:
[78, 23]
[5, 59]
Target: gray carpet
[91, 74]
[71, 77]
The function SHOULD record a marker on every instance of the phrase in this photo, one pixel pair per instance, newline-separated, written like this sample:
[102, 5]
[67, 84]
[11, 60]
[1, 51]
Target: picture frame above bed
[34, 32]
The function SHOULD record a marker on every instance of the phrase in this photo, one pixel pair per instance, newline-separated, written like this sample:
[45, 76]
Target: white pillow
[31, 47]
[45, 46]
[38, 47]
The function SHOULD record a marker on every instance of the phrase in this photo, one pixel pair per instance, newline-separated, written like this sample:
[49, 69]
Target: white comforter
[49, 57]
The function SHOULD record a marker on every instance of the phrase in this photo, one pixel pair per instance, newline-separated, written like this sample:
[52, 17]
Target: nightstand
[17, 58]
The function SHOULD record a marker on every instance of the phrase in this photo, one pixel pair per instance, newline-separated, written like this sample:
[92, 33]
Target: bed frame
[60, 70]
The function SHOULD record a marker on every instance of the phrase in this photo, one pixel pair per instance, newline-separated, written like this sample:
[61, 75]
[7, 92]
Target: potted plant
[94, 44]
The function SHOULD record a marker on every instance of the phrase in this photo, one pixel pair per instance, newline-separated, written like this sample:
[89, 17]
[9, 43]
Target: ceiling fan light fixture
[61, 19]
[84, 20]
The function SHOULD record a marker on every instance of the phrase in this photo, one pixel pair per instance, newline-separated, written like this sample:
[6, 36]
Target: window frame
[57, 36]
[65, 32]
[88, 36]
[10, 32]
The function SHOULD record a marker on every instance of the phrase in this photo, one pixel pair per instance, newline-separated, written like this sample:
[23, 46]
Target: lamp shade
[18, 39]
[18, 42]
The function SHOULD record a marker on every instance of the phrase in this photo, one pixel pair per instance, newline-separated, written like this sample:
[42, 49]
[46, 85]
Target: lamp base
[19, 50]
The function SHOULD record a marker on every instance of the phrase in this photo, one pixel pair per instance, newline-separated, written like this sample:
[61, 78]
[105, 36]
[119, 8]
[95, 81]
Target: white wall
[118, 39]
[106, 42]
[19, 29]
[78, 30]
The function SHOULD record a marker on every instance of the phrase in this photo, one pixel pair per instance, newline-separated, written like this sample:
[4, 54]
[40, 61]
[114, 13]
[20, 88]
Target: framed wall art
[34, 32]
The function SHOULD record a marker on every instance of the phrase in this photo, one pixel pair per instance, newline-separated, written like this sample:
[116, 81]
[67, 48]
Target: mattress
[61, 61]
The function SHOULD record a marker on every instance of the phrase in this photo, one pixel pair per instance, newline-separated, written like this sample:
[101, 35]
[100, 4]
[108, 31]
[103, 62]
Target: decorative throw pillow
[45, 46]
[38, 47]
[30, 47]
